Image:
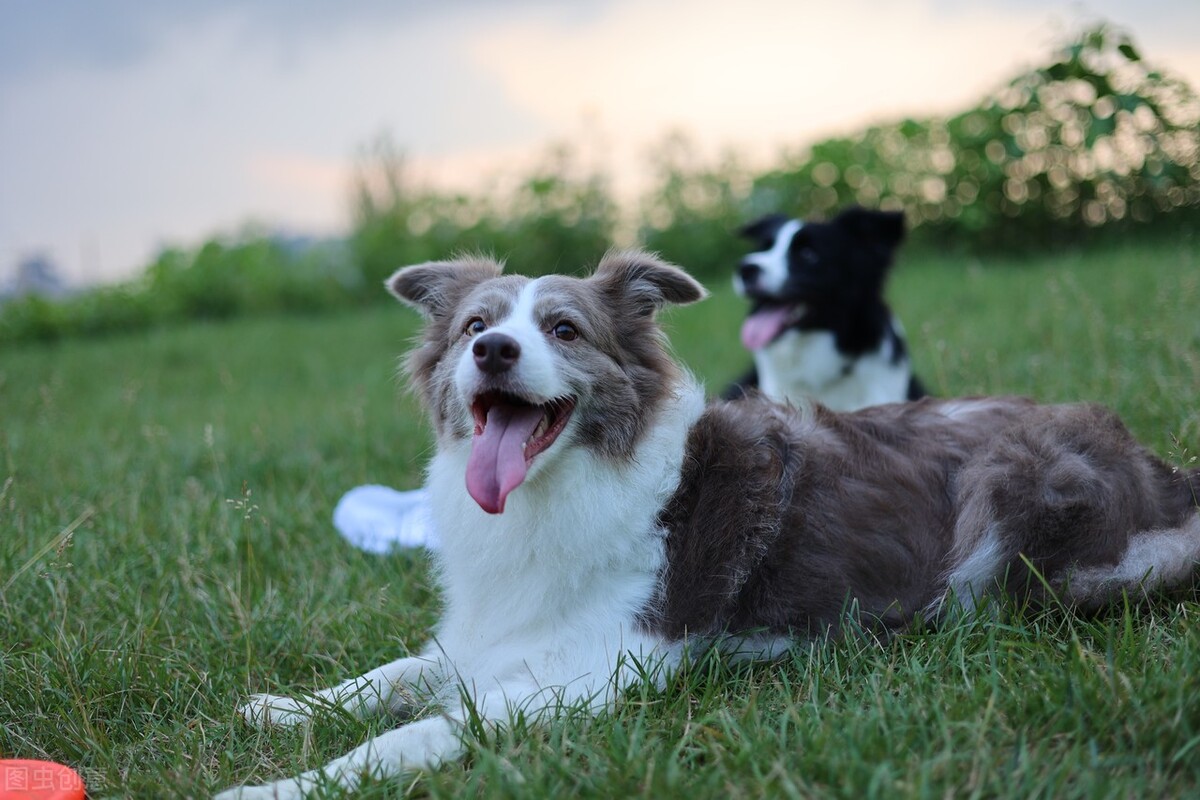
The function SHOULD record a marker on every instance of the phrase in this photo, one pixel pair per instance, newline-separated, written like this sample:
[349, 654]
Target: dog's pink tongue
[497, 462]
[761, 327]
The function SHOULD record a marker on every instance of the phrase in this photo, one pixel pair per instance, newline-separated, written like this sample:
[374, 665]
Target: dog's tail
[1153, 560]
[1162, 558]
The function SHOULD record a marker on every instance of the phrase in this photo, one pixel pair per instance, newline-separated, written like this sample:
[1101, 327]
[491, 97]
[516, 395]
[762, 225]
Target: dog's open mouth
[767, 322]
[509, 433]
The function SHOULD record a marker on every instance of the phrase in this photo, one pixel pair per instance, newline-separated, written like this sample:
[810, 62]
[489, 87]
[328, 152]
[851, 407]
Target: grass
[165, 549]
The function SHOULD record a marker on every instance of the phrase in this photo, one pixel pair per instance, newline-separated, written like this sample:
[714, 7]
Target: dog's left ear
[761, 227]
[436, 286]
[646, 280]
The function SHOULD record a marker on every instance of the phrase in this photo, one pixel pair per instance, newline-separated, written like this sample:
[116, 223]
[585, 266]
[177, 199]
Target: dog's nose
[749, 272]
[495, 353]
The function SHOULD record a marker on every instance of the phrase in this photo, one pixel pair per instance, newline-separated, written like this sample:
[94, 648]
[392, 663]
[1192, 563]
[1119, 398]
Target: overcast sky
[126, 125]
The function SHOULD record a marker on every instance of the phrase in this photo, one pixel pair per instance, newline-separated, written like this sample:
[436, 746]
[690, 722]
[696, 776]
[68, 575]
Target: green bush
[254, 274]
[1095, 138]
[560, 216]
[691, 215]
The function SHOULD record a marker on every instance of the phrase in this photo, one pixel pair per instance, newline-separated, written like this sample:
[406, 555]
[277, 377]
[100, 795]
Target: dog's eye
[809, 255]
[474, 326]
[565, 331]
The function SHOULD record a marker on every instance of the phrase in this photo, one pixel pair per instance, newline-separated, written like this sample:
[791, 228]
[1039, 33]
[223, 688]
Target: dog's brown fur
[785, 516]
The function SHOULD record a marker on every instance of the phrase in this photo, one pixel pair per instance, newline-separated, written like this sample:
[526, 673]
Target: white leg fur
[974, 577]
[384, 689]
[1153, 560]
[424, 744]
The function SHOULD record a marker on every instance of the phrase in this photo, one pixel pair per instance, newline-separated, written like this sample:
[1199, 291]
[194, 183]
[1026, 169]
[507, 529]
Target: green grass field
[166, 549]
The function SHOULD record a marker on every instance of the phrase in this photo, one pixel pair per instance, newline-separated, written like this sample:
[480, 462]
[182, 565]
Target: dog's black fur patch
[837, 271]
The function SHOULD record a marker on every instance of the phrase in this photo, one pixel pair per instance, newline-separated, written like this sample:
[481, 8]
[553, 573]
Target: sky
[126, 126]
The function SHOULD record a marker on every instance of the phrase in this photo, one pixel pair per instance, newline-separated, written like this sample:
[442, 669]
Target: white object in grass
[378, 519]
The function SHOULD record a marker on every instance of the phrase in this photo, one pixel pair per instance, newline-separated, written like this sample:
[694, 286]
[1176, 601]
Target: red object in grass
[25, 779]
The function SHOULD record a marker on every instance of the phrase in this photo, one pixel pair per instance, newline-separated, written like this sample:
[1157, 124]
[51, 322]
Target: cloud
[756, 71]
[125, 122]
[299, 173]
[765, 73]
[44, 36]
[208, 131]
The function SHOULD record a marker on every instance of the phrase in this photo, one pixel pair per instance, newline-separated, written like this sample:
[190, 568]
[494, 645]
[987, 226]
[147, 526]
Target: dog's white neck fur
[578, 539]
[806, 364]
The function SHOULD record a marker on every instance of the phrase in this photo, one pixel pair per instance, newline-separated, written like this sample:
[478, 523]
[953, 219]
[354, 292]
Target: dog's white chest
[807, 365]
[579, 538]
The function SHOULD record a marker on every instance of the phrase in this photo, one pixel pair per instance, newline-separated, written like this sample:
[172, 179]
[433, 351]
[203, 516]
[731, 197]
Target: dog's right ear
[435, 287]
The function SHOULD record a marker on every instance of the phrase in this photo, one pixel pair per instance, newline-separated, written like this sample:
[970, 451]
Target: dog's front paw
[271, 709]
[242, 793]
[284, 790]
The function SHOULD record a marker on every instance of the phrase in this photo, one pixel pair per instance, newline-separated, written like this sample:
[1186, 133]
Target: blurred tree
[1096, 137]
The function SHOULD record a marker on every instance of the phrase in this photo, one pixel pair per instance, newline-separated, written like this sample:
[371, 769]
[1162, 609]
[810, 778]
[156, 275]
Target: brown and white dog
[597, 517]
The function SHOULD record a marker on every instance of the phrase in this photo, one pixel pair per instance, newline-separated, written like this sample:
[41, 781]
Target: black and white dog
[598, 518]
[819, 327]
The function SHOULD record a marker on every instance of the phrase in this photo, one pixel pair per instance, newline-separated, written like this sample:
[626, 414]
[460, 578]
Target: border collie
[818, 326]
[597, 517]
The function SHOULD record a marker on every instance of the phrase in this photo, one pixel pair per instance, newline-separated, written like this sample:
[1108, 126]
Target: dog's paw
[271, 709]
[285, 790]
